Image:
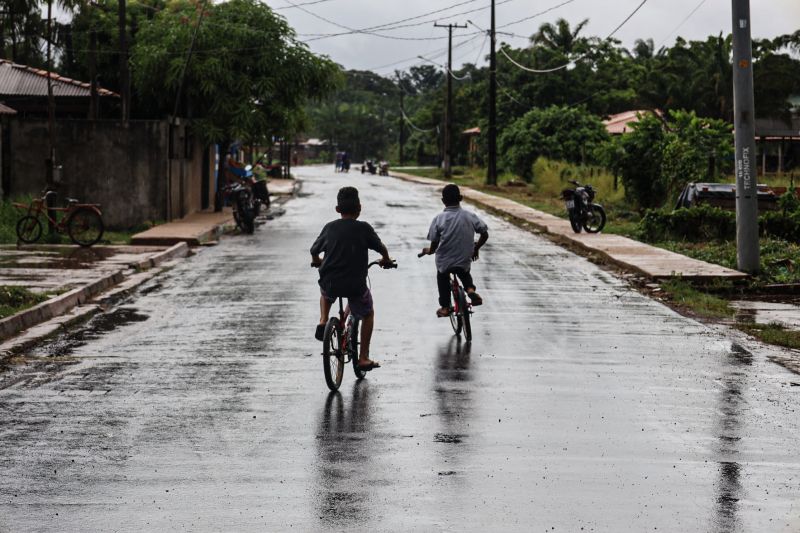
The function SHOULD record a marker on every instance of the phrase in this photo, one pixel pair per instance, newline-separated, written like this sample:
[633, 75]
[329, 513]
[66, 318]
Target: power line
[690, 15]
[575, 60]
[413, 126]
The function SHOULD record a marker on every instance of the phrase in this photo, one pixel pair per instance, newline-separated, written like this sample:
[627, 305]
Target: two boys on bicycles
[346, 242]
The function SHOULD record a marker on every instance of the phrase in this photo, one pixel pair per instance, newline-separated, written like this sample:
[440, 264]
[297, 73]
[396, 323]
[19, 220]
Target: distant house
[620, 123]
[24, 89]
[472, 151]
[778, 143]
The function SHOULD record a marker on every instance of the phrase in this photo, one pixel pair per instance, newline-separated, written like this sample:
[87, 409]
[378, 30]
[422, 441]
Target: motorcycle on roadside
[383, 168]
[369, 166]
[583, 212]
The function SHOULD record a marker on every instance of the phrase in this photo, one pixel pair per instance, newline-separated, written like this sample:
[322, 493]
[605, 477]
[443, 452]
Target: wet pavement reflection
[580, 405]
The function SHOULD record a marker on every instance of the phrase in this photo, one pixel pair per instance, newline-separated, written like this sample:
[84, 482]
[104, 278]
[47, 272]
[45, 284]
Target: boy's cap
[451, 194]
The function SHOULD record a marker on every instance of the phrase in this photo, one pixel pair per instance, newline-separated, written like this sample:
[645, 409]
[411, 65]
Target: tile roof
[21, 80]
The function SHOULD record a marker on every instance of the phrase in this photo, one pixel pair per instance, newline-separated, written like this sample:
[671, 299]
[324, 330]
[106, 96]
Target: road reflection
[732, 404]
[344, 455]
[454, 401]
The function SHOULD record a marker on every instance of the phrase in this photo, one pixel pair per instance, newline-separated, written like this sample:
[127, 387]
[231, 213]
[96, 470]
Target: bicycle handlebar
[393, 265]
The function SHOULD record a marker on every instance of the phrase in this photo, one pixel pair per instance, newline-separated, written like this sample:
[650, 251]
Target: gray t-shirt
[455, 230]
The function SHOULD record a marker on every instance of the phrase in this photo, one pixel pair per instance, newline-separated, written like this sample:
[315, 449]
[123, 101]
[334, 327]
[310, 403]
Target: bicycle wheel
[332, 356]
[455, 315]
[595, 219]
[352, 347]
[29, 229]
[246, 215]
[464, 312]
[85, 226]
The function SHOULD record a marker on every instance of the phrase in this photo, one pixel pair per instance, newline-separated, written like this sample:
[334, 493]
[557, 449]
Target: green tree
[248, 78]
[563, 133]
[638, 156]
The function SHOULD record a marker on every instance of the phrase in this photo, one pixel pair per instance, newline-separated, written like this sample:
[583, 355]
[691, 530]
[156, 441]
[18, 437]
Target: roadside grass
[14, 299]
[683, 294]
[773, 334]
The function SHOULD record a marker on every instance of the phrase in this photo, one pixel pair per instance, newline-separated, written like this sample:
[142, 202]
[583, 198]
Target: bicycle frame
[38, 206]
[456, 289]
[344, 322]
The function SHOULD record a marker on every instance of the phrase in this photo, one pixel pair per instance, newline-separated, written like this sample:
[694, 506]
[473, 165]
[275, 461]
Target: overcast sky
[661, 20]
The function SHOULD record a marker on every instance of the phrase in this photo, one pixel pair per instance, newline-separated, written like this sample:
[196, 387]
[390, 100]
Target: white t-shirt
[455, 230]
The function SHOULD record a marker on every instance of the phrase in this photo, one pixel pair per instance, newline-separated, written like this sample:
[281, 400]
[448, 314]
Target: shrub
[564, 133]
[699, 223]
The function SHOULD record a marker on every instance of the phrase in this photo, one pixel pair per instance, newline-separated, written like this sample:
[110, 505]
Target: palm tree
[560, 37]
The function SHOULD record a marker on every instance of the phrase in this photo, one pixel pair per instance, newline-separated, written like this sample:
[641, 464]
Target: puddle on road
[94, 329]
[448, 438]
[66, 258]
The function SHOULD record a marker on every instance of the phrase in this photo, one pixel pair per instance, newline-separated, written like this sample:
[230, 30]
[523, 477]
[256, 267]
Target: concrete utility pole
[124, 74]
[747, 245]
[491, 170]
[402, 140]
[448, 115]
[50, 163]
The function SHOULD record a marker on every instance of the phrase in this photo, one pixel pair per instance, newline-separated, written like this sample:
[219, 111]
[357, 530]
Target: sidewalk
[198, 228]
[650, 261]
[75, 276]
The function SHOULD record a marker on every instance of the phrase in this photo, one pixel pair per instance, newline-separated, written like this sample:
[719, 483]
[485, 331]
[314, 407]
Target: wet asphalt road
[580, 405]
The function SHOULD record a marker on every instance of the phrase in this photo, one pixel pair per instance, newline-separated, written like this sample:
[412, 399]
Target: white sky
[657, 19]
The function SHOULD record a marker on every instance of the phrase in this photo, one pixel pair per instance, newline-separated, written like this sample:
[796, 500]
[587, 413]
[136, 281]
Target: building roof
[5, 110]
[21, 80]
[472, 131]
[618, 124]
[314, 142]
[777, 128]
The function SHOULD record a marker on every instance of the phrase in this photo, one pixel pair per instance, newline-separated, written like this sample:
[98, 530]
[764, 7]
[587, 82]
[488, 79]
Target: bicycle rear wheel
[29, 229]
[332, 356]
[464, 312]
[352, 347]
[455, 315]
[85, 226]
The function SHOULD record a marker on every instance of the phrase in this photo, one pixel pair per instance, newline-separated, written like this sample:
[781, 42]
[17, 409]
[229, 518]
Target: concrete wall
[127, 168]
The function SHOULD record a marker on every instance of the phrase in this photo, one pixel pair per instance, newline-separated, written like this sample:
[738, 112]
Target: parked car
[723, 195]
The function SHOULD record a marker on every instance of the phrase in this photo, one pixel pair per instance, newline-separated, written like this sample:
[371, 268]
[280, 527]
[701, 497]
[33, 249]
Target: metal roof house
[24, 89]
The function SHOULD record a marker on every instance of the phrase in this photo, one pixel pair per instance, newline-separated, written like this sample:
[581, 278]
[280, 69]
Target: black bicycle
[340, 344]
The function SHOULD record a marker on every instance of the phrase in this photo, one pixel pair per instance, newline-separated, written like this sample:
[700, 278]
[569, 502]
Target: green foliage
[563, 133]
[659, 157]
[248, 77]
[773, 333]
[553, 176]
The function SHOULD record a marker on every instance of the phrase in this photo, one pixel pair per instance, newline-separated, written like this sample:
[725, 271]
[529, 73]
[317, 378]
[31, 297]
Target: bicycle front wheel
[332, 356]
[29, 229]
[85, 226]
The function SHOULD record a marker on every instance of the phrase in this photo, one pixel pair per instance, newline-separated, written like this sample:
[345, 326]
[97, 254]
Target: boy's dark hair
[347, 201]
[451, 195]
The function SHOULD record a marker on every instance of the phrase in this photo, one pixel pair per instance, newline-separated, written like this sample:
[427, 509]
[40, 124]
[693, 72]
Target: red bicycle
[461, 310]
[82, 222]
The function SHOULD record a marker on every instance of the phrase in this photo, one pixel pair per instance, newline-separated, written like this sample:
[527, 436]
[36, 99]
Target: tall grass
[9, 215]
[551, 177]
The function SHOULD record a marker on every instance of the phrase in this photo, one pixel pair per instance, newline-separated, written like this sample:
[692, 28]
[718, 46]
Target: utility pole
[402, 139]
[747, 245]
[124, 75]
[491, 170]
[93, 74]
[50, 163]
[448, 115]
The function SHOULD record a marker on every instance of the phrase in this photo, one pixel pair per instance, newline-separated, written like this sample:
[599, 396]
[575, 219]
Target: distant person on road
[343, 270]
[345, 162]
[452, 236]
[338, 163]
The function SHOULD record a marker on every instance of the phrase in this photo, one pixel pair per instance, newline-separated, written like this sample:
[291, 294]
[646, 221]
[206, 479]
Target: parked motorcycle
[583, 213]
[244, 211]
[258, 188]
[369, 166]
[383, 168]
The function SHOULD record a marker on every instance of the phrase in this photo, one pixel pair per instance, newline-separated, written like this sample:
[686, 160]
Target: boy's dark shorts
[359, 307]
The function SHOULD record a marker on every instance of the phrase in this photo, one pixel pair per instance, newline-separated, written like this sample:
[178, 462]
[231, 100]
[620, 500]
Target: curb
[56, 306]
[542, 221]
[180, 249]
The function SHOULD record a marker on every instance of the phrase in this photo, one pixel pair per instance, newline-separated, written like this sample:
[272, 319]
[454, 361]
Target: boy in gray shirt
[452, 240]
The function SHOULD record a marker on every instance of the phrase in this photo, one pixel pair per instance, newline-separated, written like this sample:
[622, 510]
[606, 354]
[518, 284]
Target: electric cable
[414, 126]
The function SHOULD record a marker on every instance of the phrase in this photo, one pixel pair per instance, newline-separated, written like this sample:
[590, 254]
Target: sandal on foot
[319, 334]
[443, 312]
[369, 366]
[475, 298]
